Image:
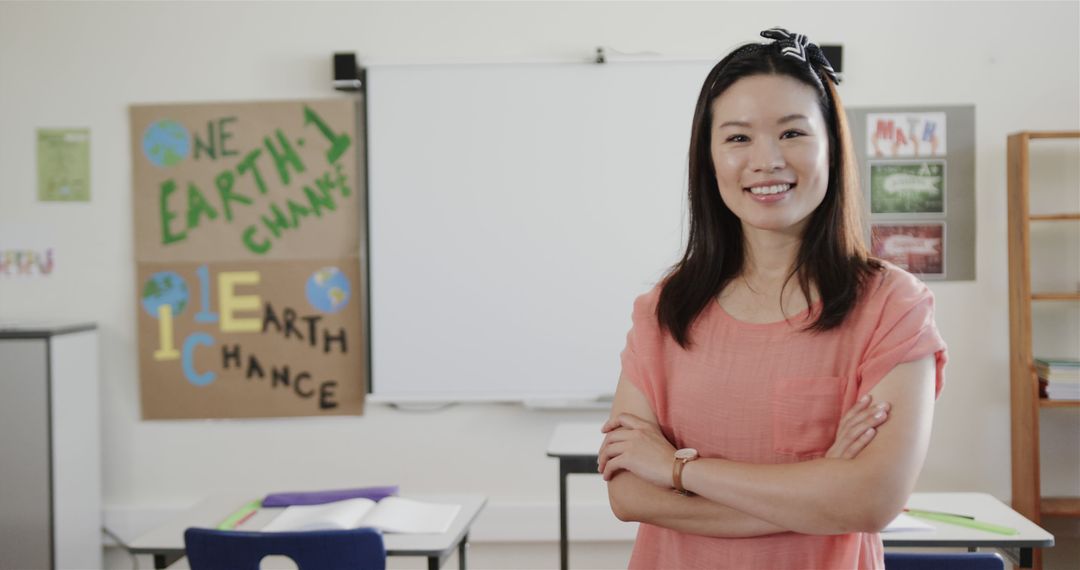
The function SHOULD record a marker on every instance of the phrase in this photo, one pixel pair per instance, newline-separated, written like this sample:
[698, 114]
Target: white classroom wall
[82, 64]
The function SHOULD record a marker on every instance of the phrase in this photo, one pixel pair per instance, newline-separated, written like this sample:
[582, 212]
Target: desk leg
[436, 562]
[564, 558]
[162, 561]
[581, 464]
[1021, 557]
[1027, 557]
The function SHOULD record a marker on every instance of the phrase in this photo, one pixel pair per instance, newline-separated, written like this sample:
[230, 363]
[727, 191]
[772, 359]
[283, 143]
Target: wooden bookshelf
[1060, 507]
[1025, 403]
[1050, 134]
[1055, 297]
[1045, 403]
[1053, 217]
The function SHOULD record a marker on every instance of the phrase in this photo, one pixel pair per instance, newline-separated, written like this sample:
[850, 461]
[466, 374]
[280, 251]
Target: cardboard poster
[250, 293]
[63, 165]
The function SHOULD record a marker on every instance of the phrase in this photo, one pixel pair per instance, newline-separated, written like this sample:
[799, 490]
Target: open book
[905, 523]
[392, 514]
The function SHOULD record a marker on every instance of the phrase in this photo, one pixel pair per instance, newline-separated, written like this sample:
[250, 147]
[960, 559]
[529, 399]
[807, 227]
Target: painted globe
[166, 143]
[328, 290]
[165, 288]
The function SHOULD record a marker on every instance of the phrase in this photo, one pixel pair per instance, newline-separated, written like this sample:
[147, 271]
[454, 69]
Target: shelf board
[1052, 134]
[1055, 296]
[1044, 403]
[1053, 217]
[1060, 507]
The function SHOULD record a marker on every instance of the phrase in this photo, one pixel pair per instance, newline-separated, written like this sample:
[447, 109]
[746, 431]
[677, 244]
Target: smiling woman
[770, 152]
[792, 421]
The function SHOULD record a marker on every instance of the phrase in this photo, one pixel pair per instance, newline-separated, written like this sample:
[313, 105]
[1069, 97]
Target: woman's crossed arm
[860, 485]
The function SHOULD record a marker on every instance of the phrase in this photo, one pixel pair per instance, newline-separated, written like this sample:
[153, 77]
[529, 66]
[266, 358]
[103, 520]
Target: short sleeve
[642, 359]
[905, 331]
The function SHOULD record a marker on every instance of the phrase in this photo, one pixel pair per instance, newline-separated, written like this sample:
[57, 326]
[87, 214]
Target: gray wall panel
[25, 534]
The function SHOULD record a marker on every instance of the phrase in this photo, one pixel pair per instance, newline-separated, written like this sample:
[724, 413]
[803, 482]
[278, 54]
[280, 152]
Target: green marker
[960, 520]
[938, 513]
[244, 513]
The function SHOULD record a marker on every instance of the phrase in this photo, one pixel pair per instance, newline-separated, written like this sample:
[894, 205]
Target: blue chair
[356, 549]
[943, 561]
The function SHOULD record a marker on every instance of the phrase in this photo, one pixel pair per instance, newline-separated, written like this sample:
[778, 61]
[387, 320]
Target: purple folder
[320, 497]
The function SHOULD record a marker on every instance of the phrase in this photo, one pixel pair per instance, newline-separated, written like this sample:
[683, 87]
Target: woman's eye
[790, 134]
[738, 138]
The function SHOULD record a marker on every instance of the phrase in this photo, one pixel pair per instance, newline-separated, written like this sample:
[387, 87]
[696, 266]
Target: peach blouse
[768, 394]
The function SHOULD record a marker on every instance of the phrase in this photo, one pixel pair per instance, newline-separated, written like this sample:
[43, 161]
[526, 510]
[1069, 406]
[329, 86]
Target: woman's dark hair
[833, 255]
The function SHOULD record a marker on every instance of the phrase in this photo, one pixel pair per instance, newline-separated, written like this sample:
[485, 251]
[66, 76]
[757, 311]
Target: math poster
[250, 296]
[905, 135]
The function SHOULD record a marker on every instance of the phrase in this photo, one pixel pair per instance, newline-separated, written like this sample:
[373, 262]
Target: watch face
[686, 454]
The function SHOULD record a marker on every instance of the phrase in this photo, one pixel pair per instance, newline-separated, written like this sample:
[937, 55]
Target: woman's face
[770, 151]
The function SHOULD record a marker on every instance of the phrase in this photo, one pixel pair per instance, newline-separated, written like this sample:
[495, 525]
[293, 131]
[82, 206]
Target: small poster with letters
[918, 248]
[902, 135]
[906, 187]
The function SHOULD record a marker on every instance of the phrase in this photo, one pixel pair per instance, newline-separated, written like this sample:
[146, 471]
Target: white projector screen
[515, 213]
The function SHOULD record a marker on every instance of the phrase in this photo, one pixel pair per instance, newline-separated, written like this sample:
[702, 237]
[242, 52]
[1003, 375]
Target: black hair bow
[799, 47]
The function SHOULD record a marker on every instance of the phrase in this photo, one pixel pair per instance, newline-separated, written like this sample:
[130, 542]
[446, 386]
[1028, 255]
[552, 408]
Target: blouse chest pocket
[805, 415]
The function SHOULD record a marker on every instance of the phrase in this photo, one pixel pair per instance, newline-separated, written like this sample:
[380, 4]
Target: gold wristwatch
[682, 457]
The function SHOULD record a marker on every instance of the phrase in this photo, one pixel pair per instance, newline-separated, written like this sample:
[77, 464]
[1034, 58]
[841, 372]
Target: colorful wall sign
[251, 298]
[26, 262]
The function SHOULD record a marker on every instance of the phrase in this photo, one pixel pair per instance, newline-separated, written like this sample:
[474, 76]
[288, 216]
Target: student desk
[166, 542]
[575, 445]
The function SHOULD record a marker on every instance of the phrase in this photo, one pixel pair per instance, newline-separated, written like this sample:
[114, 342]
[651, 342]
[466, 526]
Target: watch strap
[676, 476]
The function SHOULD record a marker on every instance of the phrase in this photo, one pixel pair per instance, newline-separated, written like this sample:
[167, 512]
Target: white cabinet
[50, 447]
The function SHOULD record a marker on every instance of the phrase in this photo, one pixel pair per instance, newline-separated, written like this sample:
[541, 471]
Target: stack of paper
[1060, 376]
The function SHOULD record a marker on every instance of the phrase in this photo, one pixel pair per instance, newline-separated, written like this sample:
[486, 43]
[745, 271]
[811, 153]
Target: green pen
[963, 521]
[925, 512]
[242, 514]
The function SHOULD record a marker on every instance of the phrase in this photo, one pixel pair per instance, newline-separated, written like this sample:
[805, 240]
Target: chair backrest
[356, 549]
[943, 561]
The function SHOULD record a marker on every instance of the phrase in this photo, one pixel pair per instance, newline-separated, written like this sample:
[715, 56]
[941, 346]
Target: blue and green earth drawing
[328, 290]
[166, 143]
[165, 288]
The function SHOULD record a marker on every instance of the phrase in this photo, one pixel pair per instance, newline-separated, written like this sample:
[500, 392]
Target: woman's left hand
[639, 447]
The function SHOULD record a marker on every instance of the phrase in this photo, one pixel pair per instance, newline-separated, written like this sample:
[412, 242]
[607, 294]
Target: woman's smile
[768, 192]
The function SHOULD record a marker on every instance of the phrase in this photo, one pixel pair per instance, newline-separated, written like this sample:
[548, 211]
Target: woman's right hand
[857, 428]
